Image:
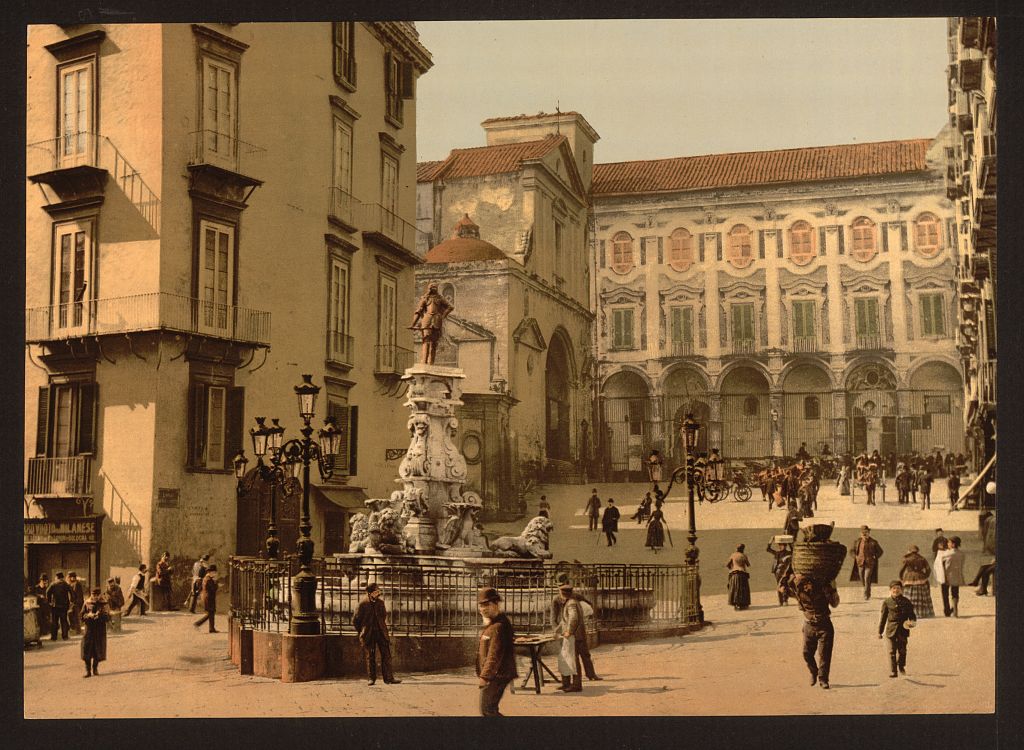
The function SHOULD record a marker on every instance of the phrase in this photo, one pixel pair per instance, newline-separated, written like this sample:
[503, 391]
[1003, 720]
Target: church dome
[464, 245]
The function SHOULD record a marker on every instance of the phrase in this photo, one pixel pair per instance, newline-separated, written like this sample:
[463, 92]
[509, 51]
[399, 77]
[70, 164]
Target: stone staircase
[557, 471]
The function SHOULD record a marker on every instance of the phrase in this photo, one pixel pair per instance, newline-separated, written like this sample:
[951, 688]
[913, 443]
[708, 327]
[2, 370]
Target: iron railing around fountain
[439, 598]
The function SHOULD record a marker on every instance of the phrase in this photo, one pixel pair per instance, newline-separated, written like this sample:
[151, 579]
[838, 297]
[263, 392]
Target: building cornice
[403, 37]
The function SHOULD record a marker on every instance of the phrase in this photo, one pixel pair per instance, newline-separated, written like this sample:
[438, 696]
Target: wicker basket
[821, 560]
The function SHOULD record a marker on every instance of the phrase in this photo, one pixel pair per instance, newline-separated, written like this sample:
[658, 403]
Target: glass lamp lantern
[307, 393]
[275, 437]
[691, 427]
[259, 435]
[239, 462]
[330, 437]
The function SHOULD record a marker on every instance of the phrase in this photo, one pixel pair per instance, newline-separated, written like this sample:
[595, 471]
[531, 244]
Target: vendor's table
[533, 645]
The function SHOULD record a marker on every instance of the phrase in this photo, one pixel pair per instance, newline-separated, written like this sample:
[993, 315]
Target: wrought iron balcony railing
[987, 381]
[94, 150]
[805, 344]
[227, 152]
[680, 348]
[744, 346]
[342, 205]
[393, 360]
[60, 477]
[146, 312]
[373, 218]
[869, 341]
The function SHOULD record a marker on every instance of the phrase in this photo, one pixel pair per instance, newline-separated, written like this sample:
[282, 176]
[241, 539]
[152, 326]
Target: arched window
[448, 292]
[680, 249]
[622, 252]
[739, 252]
[927, 235]
[801, 243]
[864, 248]
[751, 406]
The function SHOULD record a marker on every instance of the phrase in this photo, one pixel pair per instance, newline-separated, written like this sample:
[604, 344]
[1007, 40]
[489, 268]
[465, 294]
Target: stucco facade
[521, 327]
[782, 297]
[212, 211]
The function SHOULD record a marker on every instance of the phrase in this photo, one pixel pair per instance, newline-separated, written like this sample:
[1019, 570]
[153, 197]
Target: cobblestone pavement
[754, 653]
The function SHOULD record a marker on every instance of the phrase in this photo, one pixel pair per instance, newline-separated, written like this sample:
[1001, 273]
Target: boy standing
[897, 619]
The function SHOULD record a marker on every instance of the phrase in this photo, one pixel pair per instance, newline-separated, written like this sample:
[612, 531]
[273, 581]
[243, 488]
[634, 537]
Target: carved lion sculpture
[531, 543]
[360, 533]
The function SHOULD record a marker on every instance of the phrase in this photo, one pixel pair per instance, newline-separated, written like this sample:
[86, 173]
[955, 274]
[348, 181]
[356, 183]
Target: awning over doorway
[342, 495]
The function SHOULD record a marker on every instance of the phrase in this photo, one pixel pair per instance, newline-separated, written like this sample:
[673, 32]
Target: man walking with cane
[593, 509]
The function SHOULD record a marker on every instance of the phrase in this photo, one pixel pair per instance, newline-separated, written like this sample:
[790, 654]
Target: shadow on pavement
[835, 685]
[924, 684]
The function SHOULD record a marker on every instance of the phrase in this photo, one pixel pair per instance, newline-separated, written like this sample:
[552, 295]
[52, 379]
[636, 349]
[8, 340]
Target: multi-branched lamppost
[690, 430]
[274, 473]
[290, 456]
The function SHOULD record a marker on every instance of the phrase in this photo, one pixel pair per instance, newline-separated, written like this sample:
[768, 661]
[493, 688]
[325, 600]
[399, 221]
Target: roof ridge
[762, 151]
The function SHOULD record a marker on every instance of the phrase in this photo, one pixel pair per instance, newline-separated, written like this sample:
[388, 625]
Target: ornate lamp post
[290, 457]
[275, 473]
[690, 430]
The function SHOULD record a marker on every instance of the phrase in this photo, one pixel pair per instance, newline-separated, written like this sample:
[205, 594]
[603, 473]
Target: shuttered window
[803, 319]
[933, 317]
[66, 417]
[622, 328]
[867, 316]
[215, 429]
[682, 325]
[344, 37]
[346, 418]
[743, 322]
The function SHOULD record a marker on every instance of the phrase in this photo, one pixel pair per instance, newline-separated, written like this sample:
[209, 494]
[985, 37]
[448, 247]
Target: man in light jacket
[571, 625]
[949, 572]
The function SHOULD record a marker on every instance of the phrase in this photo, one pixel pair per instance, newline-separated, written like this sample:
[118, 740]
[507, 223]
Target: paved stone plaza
[951, 666]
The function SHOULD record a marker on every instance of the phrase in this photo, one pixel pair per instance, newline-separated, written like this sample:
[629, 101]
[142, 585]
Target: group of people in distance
[63, 606]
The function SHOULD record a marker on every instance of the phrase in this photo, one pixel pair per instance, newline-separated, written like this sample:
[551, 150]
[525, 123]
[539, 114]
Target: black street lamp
[276, 473]
[288, 457]
[690, 430]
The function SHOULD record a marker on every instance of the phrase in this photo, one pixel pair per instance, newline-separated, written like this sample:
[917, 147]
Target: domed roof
[464, 245]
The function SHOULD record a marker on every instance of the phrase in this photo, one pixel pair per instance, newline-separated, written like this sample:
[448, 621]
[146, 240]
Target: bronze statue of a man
[428, 320]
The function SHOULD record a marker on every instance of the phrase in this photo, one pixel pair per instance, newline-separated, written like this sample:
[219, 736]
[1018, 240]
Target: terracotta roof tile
[425, 170]
[530, 117]
[485, 160]
[760, 167]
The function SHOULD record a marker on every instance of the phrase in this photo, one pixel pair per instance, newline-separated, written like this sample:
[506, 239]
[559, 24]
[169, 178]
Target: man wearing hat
[58, 596]
[198, 573]
[571, 625]
[371, 622]
[582, 648]
[865, 552]
[209, 597]
[137, 589]
[897, 619]
[814, 597]
[495, 659]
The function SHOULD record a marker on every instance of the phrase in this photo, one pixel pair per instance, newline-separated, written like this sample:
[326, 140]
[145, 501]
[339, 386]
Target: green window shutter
[234, 425]
[627, 330]
[927, 322]
[87, 399]
[196, 423]
[42, 420]
[340, 412]
[938, 315]
[677, 324]
[873, 317]
[687, 325]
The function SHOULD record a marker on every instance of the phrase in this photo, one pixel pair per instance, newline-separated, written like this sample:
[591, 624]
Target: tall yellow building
[212, 210]
[971, 185]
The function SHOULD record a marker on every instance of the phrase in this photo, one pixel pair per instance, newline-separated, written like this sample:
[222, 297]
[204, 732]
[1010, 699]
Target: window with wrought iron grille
[864, 239]
[344, 39]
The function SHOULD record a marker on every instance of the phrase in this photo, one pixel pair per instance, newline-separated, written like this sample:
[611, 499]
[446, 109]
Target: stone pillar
[775, 408]
[835, 289]
[712, 302]
[715, 418]
[840, 430]
[773, 296]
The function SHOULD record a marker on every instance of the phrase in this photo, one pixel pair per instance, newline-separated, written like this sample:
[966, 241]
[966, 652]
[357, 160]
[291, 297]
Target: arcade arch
[628, 416]
[746, 424]
[806, 409]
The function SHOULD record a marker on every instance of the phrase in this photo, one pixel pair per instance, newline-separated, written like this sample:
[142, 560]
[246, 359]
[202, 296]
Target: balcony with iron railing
[393, 360]
[146, 312]
[870, 341]
[744, 346]
[225, 151]
[805, 344]
[987, 381]
[680, 348]
[342, 207]
[377, 221]
[60, 477]
[340, 348]
[969, 73]
[86, 160]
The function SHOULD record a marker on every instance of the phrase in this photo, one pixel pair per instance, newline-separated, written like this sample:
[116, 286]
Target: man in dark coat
[209, 597]
[58, 596]
[371, 623]
[593, 509]
[495, 658]
[953, 485]
[94, 644]
[865, 552]
[939, 542]
[897, 619]
[77, 591]
[45, 615]
[610, 522]
[582, 647]
[814, 597]
[924, 484]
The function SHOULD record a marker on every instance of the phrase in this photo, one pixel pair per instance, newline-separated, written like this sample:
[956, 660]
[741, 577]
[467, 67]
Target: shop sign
[61, 531]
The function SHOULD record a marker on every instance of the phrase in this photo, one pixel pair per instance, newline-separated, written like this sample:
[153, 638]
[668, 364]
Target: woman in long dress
[915, 574]
[94, 643]
[739, 578]
[656, 531]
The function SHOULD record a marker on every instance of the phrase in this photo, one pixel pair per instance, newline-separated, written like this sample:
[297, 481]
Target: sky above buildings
[663, 88]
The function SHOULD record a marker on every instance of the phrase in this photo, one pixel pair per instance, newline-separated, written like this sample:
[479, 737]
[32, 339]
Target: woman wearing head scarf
[915, 575]
[739, 578]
